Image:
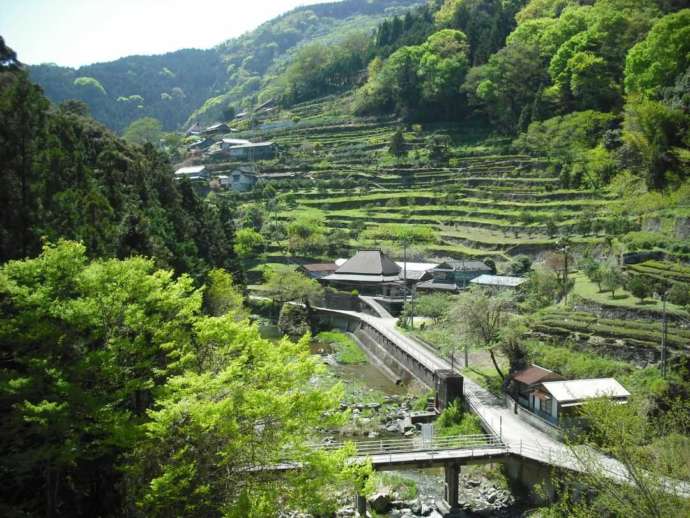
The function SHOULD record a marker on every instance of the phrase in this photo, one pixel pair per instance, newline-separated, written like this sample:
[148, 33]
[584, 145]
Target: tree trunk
[493, 360]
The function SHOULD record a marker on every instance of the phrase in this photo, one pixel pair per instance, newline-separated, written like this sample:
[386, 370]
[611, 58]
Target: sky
[80, 32]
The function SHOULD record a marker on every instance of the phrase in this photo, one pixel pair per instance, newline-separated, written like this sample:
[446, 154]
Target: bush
[294, 321]
[454, 421]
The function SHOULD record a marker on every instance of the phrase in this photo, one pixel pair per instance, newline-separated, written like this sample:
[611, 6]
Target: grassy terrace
[621, 333]
[662, 270]
[587, 290]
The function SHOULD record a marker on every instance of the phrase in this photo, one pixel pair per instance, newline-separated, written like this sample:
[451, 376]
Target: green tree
[294, 321]
[249, 244]
[612, 278]
[146, 130]
[434, 306]
[480, 317]
[640, 286]
[222, 296]
[396, 147]
[652, 450]
[656, 61]
[285, 285]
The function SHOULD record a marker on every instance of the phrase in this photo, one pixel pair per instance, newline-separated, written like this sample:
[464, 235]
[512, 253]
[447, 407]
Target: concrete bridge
[527, 452]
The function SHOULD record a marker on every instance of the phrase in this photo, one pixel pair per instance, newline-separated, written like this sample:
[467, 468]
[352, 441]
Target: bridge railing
[419, 444]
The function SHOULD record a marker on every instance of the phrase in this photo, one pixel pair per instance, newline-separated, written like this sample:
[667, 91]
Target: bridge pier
[361, 506]
[452, 488]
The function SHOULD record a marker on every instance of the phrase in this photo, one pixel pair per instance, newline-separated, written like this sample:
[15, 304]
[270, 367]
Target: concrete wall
[530, 479]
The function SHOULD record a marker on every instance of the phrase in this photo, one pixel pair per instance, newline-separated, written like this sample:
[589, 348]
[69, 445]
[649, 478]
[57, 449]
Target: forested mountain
[67, 176]
[170, 87]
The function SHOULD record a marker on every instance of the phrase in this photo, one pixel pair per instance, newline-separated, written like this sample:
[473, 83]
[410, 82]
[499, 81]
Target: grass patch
[454, 421]
[346, 349]
[405, 487]
[586, 289]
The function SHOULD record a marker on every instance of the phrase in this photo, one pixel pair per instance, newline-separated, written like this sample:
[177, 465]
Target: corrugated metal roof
[463, 266]
[580, 390]
[498, 280]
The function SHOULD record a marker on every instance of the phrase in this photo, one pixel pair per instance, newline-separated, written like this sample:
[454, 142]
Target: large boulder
[381, 502]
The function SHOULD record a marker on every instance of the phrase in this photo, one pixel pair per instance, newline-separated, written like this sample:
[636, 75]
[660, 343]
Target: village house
[370, 272]
[453, 275]
[194, 173]
[200, 144]
[227, 143]
[240, 179]
[252, 151]
[194, 129]
[218, 127]
[558, 401]
[523, 382]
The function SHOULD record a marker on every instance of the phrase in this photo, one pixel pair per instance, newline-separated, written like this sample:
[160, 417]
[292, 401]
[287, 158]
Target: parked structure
[453, 275]
[218, 127]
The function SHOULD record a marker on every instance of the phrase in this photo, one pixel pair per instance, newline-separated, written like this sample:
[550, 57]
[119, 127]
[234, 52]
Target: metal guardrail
[419, 444]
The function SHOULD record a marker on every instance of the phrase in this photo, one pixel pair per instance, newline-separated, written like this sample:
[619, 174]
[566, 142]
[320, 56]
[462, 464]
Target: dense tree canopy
[118, 396]
[67, 176]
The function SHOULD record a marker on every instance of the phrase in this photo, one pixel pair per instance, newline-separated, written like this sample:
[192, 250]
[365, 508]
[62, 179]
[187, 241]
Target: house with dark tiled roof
[370, 272]
[452, 275]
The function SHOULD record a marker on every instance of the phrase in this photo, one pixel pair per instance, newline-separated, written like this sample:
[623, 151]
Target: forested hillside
[67, 176]
[172, 86]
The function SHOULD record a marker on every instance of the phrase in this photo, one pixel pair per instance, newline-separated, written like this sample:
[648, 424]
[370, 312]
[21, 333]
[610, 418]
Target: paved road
[520, 437]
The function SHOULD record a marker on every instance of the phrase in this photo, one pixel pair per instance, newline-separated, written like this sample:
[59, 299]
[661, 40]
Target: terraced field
[662, 270]
[636, 340]
[482, 201]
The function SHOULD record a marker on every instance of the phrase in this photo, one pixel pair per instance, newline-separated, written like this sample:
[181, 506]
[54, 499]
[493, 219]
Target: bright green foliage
[90, 83]
[640, 286]
[143, 131]
[319, 69]
[120, 394]
[652, 450]
[427, 75]
[612, 278]
[213, 432]
[222, 296]
[346, 349]
[91, 345]
[306, 234]
[453, 421]
[506, 85]
[574, 142]
[434, 306]
[656, 62]
[657, 134]
[248, 243]
[289, 285]
[409, 234]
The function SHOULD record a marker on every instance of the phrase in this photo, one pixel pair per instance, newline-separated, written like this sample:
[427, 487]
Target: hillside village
[372, 258]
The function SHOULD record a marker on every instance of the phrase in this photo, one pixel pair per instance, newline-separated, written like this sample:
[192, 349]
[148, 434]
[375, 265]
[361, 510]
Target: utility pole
[664, 330]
